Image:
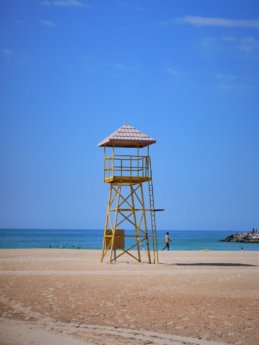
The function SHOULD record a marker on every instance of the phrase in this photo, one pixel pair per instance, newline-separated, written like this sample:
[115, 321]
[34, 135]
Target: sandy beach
[52, 296]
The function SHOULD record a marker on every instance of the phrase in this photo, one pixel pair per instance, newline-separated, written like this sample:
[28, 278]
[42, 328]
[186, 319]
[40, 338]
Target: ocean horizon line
[101, 229]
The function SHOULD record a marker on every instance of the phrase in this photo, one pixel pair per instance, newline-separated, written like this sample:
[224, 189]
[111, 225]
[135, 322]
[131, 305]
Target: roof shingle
[127, 136]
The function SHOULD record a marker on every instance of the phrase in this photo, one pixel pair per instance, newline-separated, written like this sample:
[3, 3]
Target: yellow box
[119, 240]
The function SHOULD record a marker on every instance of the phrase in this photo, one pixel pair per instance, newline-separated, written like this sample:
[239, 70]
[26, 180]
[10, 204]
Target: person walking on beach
[167, 241]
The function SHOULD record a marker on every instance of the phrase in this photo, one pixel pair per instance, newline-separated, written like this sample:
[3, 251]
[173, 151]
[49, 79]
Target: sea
[92, 239]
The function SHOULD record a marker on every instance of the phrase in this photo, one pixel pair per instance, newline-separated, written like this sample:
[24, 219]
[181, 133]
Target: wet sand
[64, 296]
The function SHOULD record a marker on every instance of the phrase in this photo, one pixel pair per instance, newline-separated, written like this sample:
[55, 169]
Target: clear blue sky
[184, 72]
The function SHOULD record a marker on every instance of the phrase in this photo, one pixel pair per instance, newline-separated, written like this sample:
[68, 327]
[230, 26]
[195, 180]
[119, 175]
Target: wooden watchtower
[127, 168]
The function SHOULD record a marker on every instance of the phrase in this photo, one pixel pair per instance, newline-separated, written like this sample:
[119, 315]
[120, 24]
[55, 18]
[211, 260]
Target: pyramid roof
[127, 136]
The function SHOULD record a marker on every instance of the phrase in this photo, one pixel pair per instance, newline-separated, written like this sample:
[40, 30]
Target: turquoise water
[92, 239]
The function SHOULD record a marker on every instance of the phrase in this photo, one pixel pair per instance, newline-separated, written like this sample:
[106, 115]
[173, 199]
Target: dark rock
[243, 237]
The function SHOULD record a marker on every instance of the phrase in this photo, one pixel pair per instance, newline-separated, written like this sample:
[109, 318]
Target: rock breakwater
[243, 237]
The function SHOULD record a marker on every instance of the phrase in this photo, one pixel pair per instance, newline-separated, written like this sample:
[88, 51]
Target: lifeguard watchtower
[127, 169]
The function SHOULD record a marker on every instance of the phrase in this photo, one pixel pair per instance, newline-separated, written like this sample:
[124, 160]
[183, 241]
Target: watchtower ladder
[153, 217]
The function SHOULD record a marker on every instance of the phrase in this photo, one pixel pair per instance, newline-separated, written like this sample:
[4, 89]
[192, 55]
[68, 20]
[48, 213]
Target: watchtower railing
[126, 166]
